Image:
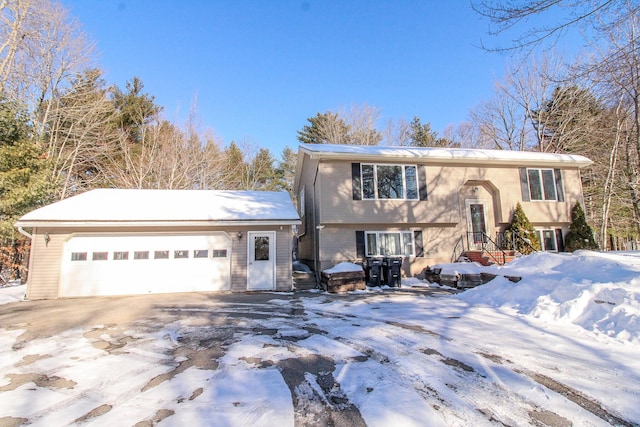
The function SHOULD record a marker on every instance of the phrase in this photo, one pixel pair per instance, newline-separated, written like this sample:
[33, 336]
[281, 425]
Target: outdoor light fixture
[475, 189]
[47, 239]
[239, 234]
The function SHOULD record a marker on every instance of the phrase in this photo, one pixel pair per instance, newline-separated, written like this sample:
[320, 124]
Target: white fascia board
[120, 224]
[459, 156]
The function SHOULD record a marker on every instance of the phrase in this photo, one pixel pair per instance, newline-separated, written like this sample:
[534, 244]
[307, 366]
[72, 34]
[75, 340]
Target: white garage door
[141, 264]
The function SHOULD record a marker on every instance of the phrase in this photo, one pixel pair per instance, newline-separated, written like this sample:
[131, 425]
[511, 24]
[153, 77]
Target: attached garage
[123, 242]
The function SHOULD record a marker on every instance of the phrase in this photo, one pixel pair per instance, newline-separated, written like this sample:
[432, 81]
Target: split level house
[424, 204]
[122, 242]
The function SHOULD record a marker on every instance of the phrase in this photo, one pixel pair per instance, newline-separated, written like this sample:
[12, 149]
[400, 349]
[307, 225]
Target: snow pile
[12, 293]
[598, 291]
[343, 267]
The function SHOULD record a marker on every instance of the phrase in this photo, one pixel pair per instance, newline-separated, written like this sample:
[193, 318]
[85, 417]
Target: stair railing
[458, 250]
[487, 245]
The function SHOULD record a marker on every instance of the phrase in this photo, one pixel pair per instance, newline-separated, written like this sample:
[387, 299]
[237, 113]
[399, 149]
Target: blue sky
[259, 69]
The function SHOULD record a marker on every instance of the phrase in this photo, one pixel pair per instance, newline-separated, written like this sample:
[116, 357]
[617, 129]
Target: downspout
[316, 230]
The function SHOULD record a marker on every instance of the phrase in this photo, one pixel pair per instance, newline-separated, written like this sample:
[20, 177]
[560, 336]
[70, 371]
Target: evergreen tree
[521, 233]
[580, 235]
[326, 128]
[24, 181]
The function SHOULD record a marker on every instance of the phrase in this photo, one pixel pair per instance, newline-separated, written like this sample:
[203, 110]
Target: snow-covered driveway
[407, 357]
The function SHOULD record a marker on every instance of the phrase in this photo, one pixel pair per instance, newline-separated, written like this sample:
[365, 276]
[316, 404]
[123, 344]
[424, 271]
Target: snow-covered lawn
[561, 347]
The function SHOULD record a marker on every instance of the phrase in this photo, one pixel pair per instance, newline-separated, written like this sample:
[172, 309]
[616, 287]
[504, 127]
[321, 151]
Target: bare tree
[535, 22]
[43, 48]
[361, 121]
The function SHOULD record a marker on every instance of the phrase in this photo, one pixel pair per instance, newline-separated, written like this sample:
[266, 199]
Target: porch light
[239, 235]
[47, 239]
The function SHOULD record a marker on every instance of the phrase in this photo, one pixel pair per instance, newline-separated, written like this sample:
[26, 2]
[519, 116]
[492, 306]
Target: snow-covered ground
[561, 347]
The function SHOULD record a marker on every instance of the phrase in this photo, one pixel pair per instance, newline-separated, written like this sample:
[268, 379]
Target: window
[389, 182]
[78, 256]
[141, 255]
[219, 253]
[547, 240]
[394, 243]
[119, 256]
[181, 254]
[100, 256]
[542, 184]
[161, 255]
[201, 253]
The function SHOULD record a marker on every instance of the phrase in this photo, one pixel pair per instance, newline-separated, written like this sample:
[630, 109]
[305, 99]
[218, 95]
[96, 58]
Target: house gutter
[24, 233]
[459, 156]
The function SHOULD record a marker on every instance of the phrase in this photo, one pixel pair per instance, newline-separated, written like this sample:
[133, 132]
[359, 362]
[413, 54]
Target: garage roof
[166, 207]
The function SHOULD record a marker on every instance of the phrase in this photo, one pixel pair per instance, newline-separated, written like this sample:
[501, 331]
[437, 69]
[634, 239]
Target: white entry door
[261, 251]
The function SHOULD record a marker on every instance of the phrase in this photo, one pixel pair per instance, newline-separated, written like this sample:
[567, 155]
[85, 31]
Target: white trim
[484, 203]
[442, 155]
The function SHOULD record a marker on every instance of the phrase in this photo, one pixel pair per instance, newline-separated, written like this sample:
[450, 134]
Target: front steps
[489, 257]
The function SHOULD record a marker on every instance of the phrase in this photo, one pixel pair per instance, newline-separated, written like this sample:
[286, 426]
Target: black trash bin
[373, 271]
[391, 271]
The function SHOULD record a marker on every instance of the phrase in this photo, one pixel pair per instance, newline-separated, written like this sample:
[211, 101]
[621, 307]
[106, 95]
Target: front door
[261, 271]
[476, 221]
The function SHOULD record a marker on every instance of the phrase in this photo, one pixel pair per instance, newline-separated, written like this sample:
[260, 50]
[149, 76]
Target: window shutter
[417, 238]
[559, 192]
[356, 181]
[524, 185]
[359, 244]
[559, 240]
[422, 182]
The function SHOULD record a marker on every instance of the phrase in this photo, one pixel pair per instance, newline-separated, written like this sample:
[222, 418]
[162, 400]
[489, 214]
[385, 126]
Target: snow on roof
[157, 206]
[453, 155]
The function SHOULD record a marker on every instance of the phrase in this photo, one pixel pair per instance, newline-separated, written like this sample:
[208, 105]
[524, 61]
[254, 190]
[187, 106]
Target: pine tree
[580, 235]
[25, 181]
[521, 233]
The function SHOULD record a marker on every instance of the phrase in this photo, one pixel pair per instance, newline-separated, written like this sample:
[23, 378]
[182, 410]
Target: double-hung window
[389, 182]
[542, 184]
[389, 243]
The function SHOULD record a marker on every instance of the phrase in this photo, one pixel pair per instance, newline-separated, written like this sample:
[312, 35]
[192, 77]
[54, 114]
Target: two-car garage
[145, 263]
[109, 242]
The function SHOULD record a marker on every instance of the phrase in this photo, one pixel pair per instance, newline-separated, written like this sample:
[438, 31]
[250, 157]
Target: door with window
[261, 269]
[476, 222]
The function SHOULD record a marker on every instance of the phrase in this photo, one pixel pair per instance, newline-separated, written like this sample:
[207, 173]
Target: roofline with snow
[444, 155]
[142, 223]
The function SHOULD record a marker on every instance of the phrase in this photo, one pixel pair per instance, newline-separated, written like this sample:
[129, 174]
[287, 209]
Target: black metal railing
[513, 241]
[458, 250]
[480, 241]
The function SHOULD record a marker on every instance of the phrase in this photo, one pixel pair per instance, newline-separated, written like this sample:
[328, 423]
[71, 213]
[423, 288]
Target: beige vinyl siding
[239, 260]
[444, 183]
[45, 260]
[283, 259]
[307, 228]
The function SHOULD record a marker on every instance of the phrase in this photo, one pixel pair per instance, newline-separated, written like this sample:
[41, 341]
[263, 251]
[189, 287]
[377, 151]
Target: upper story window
[389, 182]
[542, 184]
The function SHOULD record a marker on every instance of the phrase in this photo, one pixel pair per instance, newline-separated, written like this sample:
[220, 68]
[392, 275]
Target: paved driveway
[252, 359]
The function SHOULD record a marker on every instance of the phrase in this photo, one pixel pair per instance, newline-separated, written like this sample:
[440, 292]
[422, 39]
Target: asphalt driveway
[270, 359]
